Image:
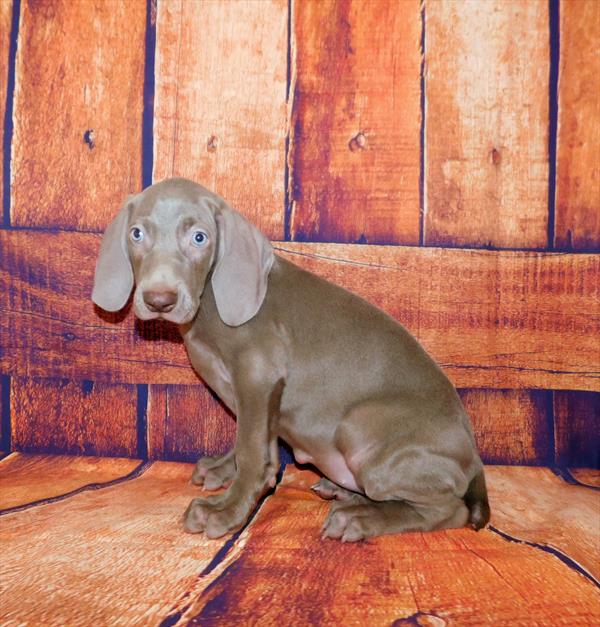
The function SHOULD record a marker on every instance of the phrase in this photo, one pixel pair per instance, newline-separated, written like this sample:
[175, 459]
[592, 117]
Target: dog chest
[211, 367]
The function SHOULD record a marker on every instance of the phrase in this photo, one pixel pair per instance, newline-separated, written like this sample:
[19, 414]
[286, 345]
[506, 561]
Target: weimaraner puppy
[296, 357]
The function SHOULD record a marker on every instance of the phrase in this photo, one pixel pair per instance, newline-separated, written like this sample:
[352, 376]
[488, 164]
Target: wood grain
[478, 187]
[455, 577]
[220, 104]
[6, 10]
[27, 478]
[492, 319]
[511, 426]
[494, 307]
[124, 558]
[79, 74]
[113, 556]
[535, 505]
[587, 476]
[355, 122]
[486, 155]
[186, 422]
[61, 416]
[577, 428]
[4, 414]
[577, 218]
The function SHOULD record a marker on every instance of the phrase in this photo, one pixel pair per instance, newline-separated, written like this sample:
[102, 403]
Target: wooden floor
[94, 541]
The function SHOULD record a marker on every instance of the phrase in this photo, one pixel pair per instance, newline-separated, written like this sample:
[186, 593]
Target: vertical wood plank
[59, 416]
[486, 154]
[220, 104]
[77, 139]
[186, 422]
[356, 118]
[6, 10]
[4, 413]
[577, 428]
[76, 155]
[487, 171]
[511, 426]
[577, 215]
[219, 118]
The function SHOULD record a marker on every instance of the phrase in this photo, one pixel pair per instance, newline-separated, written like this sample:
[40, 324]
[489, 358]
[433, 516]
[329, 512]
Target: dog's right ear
[113, 280]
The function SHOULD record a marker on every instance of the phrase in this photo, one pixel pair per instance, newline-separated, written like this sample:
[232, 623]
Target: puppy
[295, 357]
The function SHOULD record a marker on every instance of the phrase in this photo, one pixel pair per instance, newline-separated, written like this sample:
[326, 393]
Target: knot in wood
[495, 156]
[212, 143]
[358, 142]
[88, 138]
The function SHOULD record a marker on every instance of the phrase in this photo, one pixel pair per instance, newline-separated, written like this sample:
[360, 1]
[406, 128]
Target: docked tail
[476, 500]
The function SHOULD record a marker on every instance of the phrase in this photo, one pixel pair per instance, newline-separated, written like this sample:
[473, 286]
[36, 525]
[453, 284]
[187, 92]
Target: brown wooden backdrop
[440, 158]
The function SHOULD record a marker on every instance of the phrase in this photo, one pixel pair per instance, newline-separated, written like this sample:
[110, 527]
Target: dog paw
[344, 524]
[328, 490]
[214, 472]
[204, 515]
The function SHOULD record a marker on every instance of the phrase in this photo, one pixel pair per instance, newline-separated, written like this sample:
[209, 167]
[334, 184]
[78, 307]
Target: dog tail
[476, 500]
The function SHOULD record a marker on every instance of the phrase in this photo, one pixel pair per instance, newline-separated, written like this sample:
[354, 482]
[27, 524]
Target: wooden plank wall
[426, 130]
[75, 153]
[479, 116]
[577, 214]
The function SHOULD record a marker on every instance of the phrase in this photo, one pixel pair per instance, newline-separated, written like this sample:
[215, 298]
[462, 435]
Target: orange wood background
[441, 158]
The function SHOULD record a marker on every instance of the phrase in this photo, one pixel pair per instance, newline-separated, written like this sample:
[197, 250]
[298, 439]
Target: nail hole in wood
[212, 143]
[88, 138]
[358, 142]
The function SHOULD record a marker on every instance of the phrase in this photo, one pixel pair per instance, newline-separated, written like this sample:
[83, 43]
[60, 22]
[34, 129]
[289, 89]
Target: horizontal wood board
[144, 569]
[491, 319]
[445, 577]
[123, 557]
[26, 478]
[535, 505]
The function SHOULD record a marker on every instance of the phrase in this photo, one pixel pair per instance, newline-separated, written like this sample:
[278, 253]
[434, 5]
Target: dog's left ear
[244, 260]
[113, 280]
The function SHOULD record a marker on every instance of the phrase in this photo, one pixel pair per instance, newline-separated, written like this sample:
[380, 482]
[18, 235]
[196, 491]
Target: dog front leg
[257, 461]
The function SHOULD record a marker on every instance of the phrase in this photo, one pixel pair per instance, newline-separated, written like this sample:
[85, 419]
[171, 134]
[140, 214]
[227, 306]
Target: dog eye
[199, 238]
[137, 234]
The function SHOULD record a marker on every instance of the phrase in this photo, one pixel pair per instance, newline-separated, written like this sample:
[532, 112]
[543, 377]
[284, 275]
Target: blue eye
[199, 238]
[137, 234]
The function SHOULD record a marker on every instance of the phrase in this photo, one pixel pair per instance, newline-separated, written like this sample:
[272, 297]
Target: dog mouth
[182, 311]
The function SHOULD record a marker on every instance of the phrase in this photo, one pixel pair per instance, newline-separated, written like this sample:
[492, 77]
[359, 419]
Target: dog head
[168, 240]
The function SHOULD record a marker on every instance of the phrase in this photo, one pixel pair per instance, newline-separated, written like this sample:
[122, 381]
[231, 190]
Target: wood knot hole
[495, 156]
[89, 138]
[212, 143]
[358, 142]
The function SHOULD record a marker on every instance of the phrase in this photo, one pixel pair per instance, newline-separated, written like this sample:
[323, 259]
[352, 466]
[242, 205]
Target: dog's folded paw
[214, 472]
[328, 490]
[210, 517]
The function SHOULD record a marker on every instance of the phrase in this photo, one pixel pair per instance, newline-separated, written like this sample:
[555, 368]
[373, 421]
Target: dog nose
[160, 301]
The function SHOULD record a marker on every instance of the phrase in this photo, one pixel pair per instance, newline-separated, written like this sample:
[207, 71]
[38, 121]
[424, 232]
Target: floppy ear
[244, 259]
[113, 280]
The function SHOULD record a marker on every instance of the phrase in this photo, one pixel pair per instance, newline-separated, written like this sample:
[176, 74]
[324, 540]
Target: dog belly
[332, 464]
[335, 468]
